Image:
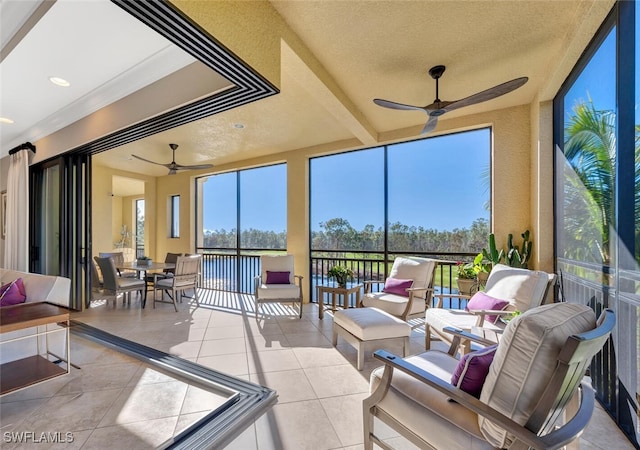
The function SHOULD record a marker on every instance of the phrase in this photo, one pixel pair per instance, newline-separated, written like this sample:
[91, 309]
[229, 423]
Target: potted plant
[341, 274]
[144, 261]
[482, 267]
[467, 282]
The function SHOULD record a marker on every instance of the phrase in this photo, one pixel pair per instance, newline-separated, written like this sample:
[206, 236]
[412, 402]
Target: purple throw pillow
[12, 293]
[277, 277]
[397, 286]
[480, 300]
[472, 369]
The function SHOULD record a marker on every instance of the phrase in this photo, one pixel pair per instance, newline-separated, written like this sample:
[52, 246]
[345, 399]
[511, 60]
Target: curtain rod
[25, 146]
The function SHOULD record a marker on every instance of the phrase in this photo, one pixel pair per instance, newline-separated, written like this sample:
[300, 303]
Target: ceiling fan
[173, 166]
[439, 107]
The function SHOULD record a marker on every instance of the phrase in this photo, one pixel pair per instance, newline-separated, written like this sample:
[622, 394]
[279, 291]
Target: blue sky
[434, 183]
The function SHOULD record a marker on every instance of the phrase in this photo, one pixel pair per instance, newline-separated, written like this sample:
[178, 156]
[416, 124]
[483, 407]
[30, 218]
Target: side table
[335, 290]
[27, 371]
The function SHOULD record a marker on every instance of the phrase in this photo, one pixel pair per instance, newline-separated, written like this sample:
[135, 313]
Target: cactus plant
[493, 255]
[519, 257]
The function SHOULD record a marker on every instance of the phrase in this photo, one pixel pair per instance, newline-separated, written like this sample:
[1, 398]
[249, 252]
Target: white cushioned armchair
[521, 288]
[277, 281]
[530, 382]
[414, 299]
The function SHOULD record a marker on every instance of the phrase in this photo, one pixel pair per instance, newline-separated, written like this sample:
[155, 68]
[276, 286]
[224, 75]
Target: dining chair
[115, 285]
[184, 277]
[118, 259]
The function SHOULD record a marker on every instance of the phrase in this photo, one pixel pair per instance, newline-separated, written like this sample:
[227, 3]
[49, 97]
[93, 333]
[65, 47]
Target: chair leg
[175, 294]
[300, 308]
[427, 337]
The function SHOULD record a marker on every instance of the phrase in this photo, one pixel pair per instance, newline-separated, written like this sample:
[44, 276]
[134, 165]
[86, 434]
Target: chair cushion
[439, 318]
[472, 369]
[397, 286]
[525, 361]
[131, 283]
[278, 291]
[523, 288]
[371, 323]
[423, 409]
[392, 303]
[420, 270]
[480, 300]
[278, 277]
[277, 263]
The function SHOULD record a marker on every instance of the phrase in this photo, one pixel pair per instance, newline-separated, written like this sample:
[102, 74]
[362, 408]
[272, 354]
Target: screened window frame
[386, 250]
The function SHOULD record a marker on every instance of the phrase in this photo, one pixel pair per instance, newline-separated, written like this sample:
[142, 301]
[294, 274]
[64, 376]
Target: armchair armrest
[482, 313]
[299, 278]
[553, 440]
[367, 284]
[441, 296]
[461, 334]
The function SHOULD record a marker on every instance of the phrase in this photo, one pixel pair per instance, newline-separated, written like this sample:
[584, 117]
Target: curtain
[16, 247]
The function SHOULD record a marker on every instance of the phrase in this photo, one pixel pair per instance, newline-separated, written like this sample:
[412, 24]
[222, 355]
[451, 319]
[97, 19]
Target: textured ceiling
[337, 56]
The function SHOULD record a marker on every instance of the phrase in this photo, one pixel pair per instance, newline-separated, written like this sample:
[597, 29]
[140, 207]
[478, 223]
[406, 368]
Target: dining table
[143, 268]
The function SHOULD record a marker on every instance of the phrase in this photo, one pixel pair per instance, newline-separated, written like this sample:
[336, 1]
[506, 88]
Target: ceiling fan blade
[430, 125]
[194, 167]
[394, 105]
[488, 94]
[152, 162]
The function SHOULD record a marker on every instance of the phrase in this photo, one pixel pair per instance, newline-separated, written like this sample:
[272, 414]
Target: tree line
[338, 235]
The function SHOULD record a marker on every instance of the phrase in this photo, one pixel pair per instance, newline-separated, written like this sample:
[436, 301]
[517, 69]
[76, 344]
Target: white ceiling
[359, 50]
[105, 53]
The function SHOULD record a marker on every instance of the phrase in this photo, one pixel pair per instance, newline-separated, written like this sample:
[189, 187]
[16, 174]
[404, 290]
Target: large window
[253, 201]
[429, 196]
[240, 215]
[597, 200]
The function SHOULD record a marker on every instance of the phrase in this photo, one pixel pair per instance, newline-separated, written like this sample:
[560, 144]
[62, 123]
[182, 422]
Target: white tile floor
[319, 390]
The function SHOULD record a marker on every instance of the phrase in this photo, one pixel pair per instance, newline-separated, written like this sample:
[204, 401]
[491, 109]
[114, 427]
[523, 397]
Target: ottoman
[360, 325]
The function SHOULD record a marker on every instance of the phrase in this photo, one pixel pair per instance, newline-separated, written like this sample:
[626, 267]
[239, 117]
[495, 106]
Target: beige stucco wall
[109, 213]
[511, 187]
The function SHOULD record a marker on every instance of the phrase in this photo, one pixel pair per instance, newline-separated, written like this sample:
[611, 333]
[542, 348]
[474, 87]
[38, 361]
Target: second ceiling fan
[439, 107]
[173, 166]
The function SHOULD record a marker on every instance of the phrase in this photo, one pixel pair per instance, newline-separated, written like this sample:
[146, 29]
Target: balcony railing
[234, 271]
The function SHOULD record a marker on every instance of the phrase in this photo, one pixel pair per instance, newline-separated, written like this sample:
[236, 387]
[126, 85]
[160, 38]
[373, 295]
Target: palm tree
[590, 151]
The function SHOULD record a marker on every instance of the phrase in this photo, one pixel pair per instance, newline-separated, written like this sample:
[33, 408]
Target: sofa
[38, 288]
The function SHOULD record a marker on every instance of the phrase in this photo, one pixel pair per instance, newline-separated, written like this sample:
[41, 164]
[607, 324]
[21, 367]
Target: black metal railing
[376, 267]
[614, 370]
[234, 270]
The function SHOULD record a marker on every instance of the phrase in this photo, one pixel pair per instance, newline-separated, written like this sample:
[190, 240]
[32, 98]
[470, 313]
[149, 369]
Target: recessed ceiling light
[59, 81]
[238, 125]
[5, 120]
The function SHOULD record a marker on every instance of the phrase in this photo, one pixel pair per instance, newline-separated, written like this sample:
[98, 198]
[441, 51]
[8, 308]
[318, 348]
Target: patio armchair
[115, 285]
[510, 395]
[407, 291]
[508, 289]
[277, 281]
[185, 276]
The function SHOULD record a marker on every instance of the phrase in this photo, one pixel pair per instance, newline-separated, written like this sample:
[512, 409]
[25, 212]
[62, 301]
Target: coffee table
[21, 373]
